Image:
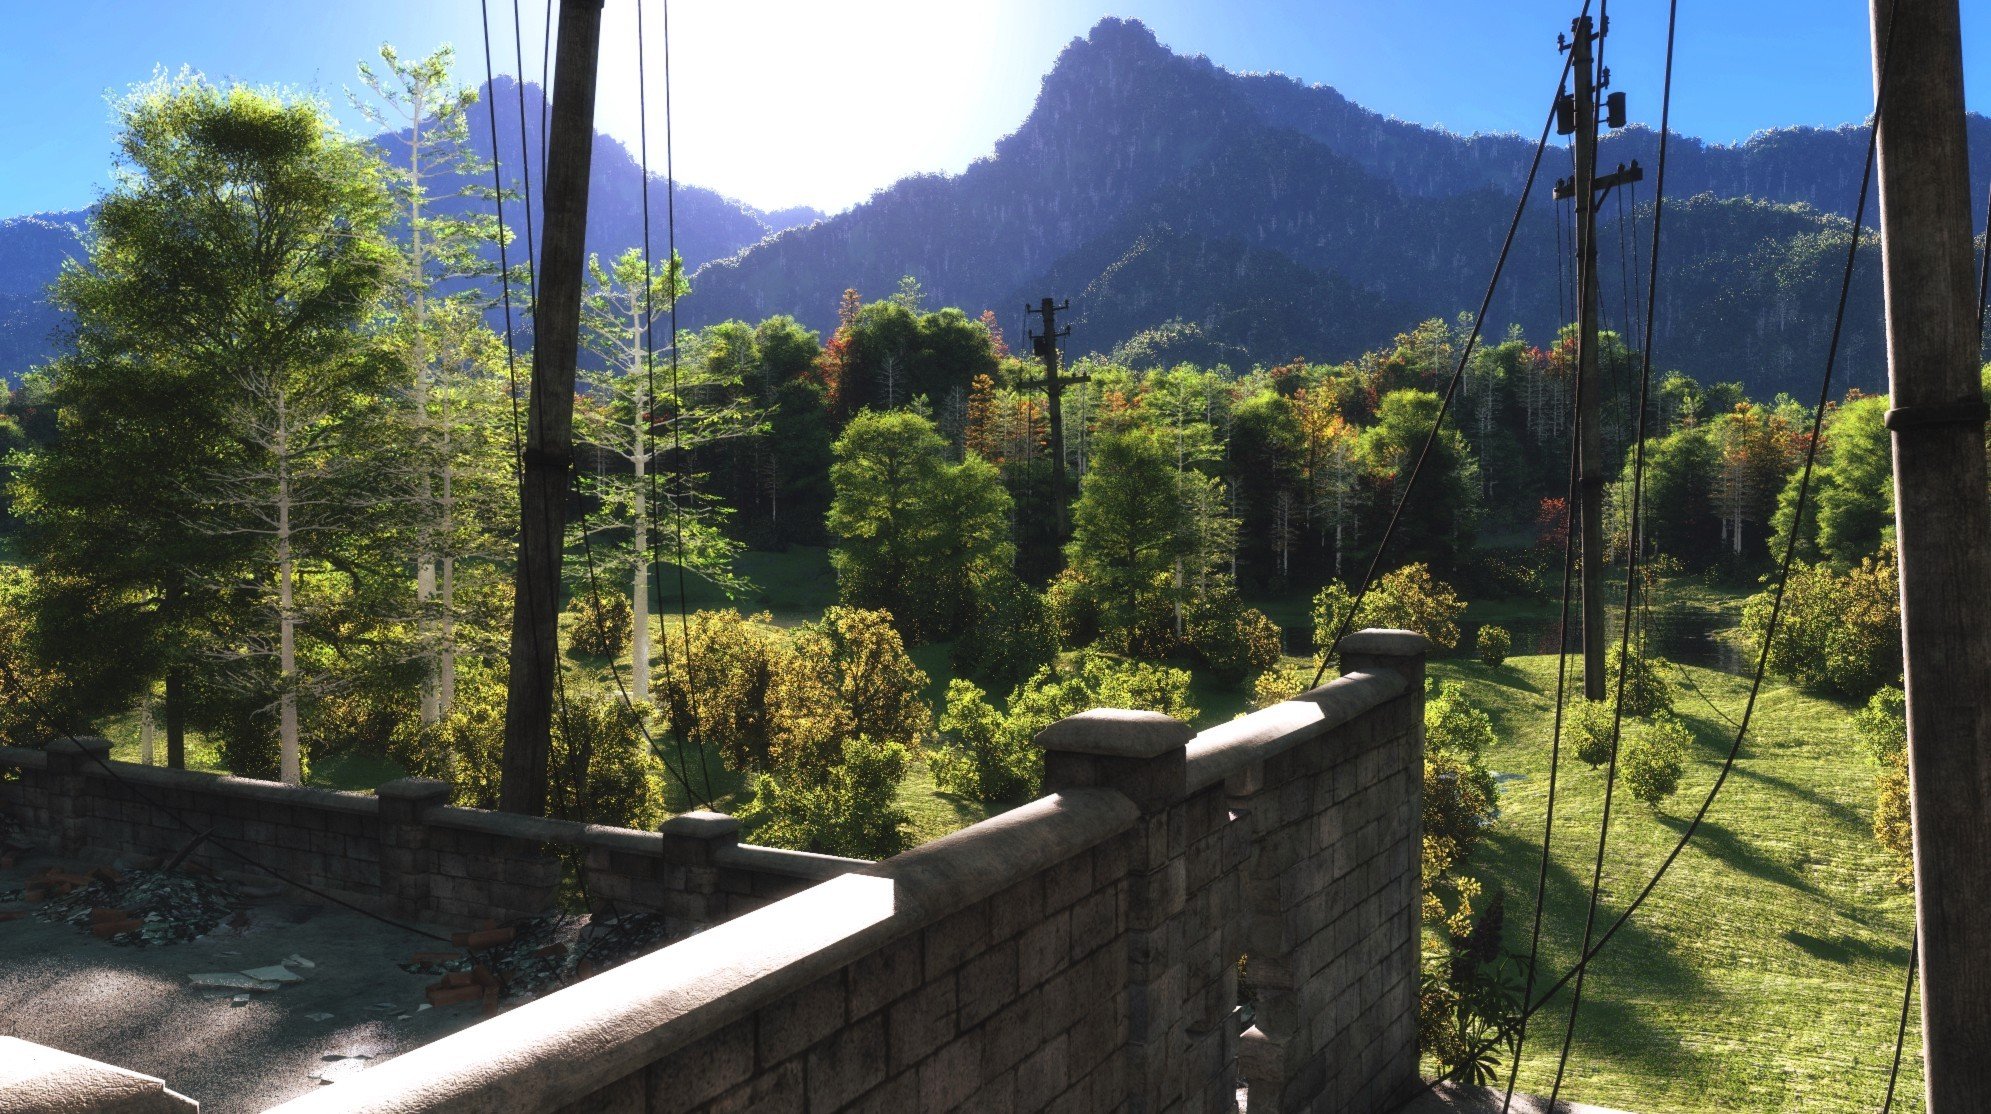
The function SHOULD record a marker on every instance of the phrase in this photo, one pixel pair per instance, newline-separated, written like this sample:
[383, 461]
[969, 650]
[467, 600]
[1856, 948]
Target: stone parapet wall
[1079, 953]
[401, 851]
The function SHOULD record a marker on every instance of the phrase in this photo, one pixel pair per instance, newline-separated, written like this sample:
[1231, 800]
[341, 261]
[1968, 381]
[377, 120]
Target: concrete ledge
[569, 1044]
[978, 862]
[242, 788]
[31, 758]
[509, 825]
[38, 1080]
[1230, 747]
[805, 865]
[80, 745]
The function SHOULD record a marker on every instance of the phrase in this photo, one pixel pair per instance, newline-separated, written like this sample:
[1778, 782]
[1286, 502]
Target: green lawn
[1765, 973]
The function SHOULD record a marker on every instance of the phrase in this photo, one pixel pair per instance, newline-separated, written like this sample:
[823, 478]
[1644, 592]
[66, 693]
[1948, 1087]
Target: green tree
[459, 501]
[846, 806]
[1439, 526]
[1409, 598]
[215, 365]
[1882, 729]
[1852, 496]
[914, 532]
[640, 430]
[1129, 527]
[1494, 643]
[850, 678]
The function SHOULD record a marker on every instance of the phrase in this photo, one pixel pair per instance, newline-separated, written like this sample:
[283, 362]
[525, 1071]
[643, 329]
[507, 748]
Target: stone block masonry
[1079, 953]
[401, 851]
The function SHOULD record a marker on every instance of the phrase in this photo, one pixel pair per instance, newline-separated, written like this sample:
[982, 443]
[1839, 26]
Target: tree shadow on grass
[1733, 851]
[1839, 811]
[1841, 948]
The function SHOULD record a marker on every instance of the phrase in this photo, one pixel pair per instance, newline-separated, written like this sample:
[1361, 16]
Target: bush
[1235, 641]
[724, 691]
[981, 758]
[28, 692]
[1458, 805]
[1090, 679]
[1646, 690]
[1841, 633]
[1891, 827]
[1590, 725]
[601, 770]
[599, 624]
[1073, 611]
[847, 806]
[1454, 724]
[1882, 726]
[1407, 599]
[1653, 758]
[1494, 643]
[1280, 683]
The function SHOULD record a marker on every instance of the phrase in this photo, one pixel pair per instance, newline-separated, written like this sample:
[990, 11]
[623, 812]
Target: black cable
[1901, 1030]
[1633, 555]
[1783, 576]
[525, 161]
[545, 83]
[1451, 388]
[1984, 272]
[677, 396]
[1555, 749]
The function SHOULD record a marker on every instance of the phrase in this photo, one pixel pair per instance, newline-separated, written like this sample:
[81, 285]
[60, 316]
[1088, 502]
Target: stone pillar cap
[1377, 642]
[1117, 732]
[701, 824]
[412, 789]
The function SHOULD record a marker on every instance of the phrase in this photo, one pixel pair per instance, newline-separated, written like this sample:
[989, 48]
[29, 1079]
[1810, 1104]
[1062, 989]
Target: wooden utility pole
[1045, 345]
[549, 445]
[1942, 529]
[1578, 114]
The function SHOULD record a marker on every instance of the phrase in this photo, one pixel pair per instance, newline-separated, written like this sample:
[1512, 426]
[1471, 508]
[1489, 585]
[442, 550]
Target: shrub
[1073, 611]
[1458, 806]
[724, 692]
[1235, 641]
[1882, 726]
[1454, 724]
[1653, 758]
[1280, 683]
[1090, 679]
[1891, 827]
[1646, 689]
[601, 770]
[981, 758]
[1589, 722]
[846, 806]
[598, 624]
[28, 692]
[1407, 599]
[1494, 643]
[850, 676]
[1841, 633]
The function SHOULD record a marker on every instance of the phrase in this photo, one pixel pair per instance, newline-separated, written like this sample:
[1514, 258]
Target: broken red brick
[482, 976]
[551, 951]
[101, 914]
[34, 893]
[4, 917]
[109, 874]
[65, 878]
[450, 996]
[453, 979]
[107, 929]
[435, 957]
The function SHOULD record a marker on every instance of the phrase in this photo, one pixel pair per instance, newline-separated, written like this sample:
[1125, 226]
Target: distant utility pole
[1045, 345]
[1577, 113]
[549, 445]
[1942, 529]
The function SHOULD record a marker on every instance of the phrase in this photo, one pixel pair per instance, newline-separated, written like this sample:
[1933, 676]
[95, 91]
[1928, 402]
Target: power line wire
[1451, 388]
[1783, 579]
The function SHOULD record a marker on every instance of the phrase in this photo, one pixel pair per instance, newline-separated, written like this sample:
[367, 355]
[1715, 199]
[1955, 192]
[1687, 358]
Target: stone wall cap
[413, 789]
[80, 744]
[1384, 643]
[34, 1077]
[1118, 733]
[700, 824]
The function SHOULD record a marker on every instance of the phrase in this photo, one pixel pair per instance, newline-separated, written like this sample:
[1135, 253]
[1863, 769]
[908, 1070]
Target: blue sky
[783, 102]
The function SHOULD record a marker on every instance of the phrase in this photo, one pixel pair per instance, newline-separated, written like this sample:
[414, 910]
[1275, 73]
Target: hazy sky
[820, 102]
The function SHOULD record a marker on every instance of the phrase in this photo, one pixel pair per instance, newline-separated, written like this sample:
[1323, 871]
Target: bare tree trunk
[639, 588]
[145, 729]
[291, 762]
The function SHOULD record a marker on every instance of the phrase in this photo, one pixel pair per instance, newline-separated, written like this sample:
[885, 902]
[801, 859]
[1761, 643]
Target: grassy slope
[1765, 972]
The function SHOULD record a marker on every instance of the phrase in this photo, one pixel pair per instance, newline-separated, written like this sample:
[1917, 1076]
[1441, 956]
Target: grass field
[1765, 972]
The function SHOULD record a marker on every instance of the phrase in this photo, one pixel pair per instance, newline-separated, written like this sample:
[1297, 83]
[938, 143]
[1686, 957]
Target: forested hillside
[1273, 219]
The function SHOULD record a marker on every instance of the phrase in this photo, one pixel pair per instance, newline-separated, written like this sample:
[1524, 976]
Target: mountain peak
[1123, 36]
